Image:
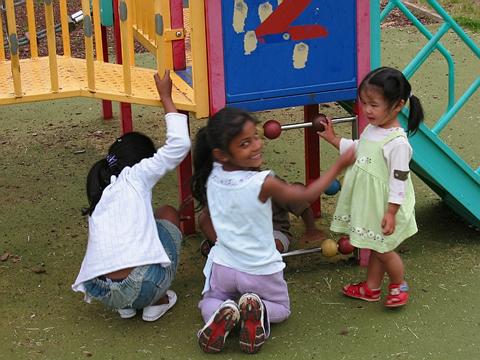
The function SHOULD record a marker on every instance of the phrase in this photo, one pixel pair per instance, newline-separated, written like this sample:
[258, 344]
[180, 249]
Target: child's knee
[169, 213]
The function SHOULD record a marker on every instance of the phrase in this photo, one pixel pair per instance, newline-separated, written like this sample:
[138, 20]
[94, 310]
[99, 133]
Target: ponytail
[98, 179]
[395, 87]
[415, 116]
[127, 150]
[202, 167]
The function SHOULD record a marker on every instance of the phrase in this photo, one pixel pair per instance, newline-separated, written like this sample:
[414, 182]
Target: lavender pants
[227, 283]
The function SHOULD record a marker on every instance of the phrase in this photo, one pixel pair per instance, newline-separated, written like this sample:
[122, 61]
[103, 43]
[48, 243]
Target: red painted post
[363, 67]
[178, 46]
[125, 108]
[215, 63]
[184, 172]
[312, 153]
[106, 104]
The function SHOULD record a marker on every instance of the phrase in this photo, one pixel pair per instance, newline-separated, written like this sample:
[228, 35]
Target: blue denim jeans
[145, 285]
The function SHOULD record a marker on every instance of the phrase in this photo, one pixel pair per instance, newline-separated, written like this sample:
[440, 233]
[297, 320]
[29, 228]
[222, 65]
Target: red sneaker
[361, 291]
[252, 329]
[397, 295]
[211, 337]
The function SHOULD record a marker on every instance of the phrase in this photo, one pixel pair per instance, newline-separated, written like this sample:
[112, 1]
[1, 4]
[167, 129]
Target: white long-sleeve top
[397, 154]
[122, 228]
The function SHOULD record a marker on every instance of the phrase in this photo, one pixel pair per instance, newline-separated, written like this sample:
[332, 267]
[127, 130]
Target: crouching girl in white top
[244, 271]
[132, 253]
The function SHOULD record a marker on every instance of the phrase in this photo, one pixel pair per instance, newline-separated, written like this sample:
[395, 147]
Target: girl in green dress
[376, 204]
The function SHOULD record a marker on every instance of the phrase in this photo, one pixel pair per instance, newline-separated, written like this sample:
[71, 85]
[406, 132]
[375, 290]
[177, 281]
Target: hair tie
[111, 160]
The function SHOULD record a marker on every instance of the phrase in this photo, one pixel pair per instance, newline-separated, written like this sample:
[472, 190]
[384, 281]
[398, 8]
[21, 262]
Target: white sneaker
[127, 313]
[211, 337]
[155, 312]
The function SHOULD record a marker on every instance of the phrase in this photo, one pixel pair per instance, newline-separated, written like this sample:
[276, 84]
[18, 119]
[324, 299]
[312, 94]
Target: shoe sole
[172, 300]
[252, 333]
[396, 304]
[212, 339]
[361, 297]
[129, 316]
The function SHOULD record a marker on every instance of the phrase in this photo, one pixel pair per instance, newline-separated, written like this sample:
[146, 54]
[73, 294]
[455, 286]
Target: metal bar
[301, 252]
[338, 120]
[448, 57]
[445, 119]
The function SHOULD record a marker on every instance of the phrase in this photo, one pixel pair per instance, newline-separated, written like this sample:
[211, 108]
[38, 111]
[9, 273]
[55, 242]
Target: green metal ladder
[457, 183]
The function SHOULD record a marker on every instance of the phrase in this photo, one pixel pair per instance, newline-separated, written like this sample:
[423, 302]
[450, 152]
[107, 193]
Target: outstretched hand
[329, 133]
[164, 88]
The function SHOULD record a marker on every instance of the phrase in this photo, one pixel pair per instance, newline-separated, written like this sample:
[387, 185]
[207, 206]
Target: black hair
[221, 128]
[127, 150]
[395, 87]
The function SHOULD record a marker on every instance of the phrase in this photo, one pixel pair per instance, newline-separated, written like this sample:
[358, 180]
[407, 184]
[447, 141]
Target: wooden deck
[72, 76]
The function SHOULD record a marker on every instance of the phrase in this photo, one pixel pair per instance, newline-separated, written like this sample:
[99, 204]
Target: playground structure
[280, 44]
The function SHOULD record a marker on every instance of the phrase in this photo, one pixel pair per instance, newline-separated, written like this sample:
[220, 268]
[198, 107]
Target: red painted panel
[305, 32]
[216, 74]
[363, 50]
[178, 46]
[106, 104]
[279, 20]
[312, 154]
[363, 63]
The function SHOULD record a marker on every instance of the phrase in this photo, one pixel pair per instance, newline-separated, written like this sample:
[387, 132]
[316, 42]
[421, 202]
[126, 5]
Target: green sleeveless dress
[363, 200]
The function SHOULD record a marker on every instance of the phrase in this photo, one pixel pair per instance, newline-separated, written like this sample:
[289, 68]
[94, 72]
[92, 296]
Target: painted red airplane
[277, 26]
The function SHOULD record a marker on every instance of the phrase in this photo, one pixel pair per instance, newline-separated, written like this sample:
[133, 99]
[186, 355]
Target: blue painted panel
[296, 100]
[268, 71]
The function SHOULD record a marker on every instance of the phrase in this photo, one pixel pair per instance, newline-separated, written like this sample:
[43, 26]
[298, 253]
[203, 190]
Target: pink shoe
[397, 295]
[361, 291]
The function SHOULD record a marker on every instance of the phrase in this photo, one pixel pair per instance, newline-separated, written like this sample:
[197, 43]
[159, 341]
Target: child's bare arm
[282, 192]
[164, 88]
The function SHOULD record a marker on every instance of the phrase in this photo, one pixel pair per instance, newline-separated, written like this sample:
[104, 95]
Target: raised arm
[177, 143]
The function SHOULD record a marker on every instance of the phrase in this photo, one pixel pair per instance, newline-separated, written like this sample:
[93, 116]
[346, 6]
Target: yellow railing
[59, 76]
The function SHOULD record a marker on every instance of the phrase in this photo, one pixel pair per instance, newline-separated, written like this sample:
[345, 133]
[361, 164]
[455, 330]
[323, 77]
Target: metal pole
[338, 120]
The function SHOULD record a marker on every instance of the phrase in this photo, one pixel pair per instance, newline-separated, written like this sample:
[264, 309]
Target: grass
[465, 12]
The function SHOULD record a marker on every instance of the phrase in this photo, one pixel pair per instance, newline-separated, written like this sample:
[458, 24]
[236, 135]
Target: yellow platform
[72, 75]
